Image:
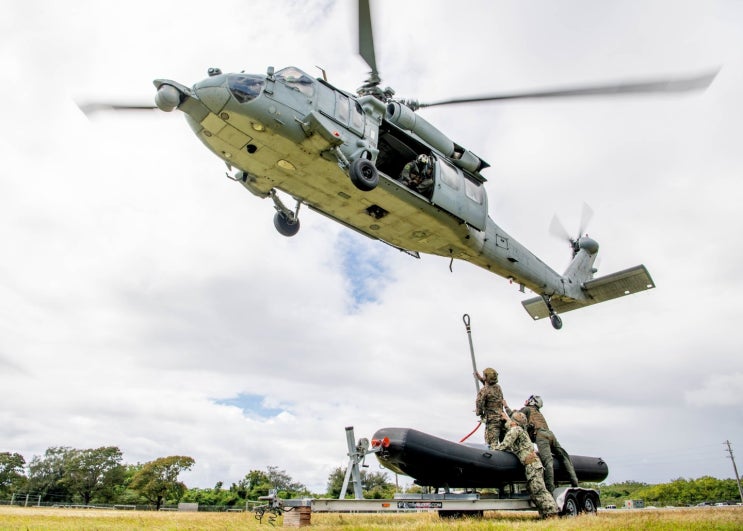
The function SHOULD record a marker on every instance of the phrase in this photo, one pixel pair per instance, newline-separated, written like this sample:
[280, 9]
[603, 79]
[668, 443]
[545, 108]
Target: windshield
[245, 87]
[298, 80]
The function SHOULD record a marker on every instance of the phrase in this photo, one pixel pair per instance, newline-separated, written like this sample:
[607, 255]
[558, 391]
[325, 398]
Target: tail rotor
[558, 230]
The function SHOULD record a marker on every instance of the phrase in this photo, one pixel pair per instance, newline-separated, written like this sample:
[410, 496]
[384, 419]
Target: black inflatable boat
[439, 463]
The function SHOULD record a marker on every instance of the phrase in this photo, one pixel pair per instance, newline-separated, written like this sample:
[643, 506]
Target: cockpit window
[298, 80]
[245, 87]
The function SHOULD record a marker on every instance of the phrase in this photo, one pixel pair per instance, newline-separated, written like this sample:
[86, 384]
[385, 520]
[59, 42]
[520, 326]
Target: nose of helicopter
[213, 93]
[167, 98]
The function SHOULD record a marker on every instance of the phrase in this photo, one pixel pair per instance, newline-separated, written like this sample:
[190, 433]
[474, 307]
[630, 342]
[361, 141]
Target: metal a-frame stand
[356, 455]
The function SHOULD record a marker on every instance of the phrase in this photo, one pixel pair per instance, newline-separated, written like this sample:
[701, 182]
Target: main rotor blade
[665, 85]
[92, 108]
[366, 38]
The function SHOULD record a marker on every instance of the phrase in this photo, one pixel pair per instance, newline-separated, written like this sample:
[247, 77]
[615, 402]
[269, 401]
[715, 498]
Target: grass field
[718, 518]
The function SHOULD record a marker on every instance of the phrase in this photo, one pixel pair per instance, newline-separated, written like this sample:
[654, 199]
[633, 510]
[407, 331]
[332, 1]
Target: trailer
[513, 496]
[571, 501]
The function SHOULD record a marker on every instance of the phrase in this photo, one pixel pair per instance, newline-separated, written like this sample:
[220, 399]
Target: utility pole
[735, 469]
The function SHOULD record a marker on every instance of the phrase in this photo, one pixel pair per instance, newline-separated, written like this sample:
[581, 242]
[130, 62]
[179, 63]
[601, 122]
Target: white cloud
[140, 289]
[718, 390]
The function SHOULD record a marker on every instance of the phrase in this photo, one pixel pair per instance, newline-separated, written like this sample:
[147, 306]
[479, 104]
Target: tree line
[678, 493]
[65, 475]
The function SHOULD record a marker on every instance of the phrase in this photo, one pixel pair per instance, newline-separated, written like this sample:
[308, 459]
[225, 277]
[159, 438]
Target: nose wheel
[554, 318]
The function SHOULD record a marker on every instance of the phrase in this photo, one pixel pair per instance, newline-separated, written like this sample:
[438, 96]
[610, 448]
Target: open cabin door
[459, 194]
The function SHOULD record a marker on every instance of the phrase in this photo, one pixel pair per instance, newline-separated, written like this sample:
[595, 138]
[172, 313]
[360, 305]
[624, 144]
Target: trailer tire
[588, 504]
[571, 508]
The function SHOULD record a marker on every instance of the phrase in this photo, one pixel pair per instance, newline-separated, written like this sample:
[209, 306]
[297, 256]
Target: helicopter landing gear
[285, 226]
[554, 318]
[286, 221]
[364, 174]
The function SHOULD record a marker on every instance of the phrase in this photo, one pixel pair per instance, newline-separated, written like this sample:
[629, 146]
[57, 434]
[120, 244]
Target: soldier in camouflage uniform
[518, 442]
[418, 175]
[546, 442]
[489, 406]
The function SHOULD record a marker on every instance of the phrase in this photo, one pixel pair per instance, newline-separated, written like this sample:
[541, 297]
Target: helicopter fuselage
[290, 132]
[346, 157]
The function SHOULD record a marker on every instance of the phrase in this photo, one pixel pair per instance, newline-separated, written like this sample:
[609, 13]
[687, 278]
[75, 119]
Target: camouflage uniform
[412, 178]
[547, 444]
[489, 406]
[517, 441]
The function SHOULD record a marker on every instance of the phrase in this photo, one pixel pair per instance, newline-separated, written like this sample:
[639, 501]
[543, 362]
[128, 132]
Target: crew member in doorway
[489, 406]
[418, 175]
[546, 442]
[518, 442]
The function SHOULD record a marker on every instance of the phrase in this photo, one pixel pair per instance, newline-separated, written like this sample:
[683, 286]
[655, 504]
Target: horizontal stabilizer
[597, 290]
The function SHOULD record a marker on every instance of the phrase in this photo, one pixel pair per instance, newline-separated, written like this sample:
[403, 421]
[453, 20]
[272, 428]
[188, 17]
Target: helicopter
[372, 163]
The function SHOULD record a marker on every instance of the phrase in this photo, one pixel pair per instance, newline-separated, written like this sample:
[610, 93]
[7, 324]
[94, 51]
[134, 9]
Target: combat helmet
[535, 400]
[490, 376]
[519, 418]
[423, 163]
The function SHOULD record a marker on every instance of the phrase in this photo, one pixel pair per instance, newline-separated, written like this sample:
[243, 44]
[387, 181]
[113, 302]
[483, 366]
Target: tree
[690, 492]
[215, 496]
[283, 483]
[376, 486]
[373, 484]
[46, 473]
[94, 472]
[157, 480]
[617, 493]
[256, 484]
[11, 472]
[123, 493]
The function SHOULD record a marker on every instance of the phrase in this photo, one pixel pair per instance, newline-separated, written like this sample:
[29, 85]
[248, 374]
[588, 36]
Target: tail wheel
[556, 321]
[364, 174]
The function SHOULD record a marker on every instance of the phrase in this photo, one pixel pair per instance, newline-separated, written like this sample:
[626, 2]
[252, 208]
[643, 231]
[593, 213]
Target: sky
[147, 302]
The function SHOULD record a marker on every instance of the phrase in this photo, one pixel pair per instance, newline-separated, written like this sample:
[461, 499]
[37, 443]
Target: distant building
[634, 504]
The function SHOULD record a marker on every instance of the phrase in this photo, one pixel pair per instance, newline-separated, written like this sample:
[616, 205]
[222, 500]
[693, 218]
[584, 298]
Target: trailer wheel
[571, 505]
[589, 504]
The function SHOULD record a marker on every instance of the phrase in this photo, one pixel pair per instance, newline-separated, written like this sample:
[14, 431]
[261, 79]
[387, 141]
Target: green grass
[717, 518]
